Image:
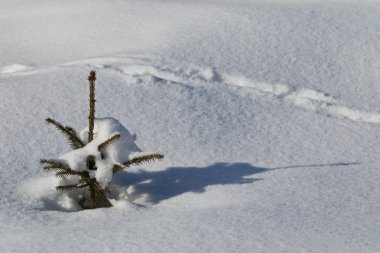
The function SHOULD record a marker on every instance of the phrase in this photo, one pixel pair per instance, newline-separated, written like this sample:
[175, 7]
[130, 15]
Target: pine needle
[66, 187]
[69, 132]
[82, 185]
[137, 161]
[51, 165]
[117, 168]
[144, 158]
[69, 173]
[105, 144]
[72, 130]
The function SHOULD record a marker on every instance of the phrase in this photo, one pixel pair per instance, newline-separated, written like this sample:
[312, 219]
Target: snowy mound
[119, 151]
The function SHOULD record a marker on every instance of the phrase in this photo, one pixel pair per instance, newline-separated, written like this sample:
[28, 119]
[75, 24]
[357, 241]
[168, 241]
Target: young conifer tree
[94, 195]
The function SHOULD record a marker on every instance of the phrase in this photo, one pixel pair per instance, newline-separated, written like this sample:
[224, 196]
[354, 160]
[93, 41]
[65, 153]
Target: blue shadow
[174, 181]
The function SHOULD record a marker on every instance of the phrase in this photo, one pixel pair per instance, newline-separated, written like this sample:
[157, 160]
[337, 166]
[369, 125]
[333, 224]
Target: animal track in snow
[307, 99]
[136, 66]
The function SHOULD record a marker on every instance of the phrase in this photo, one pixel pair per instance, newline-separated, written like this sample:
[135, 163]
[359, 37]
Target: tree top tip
[92, 76]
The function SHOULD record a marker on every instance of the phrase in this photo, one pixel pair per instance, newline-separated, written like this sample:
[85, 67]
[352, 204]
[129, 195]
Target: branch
[105, 144]
[66, 187]
[137, 161]
[69, 173]
[69, 132]
[51, 165]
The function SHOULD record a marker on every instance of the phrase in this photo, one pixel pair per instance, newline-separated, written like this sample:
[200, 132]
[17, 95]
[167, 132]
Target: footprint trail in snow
[308, 99]
[139, 67]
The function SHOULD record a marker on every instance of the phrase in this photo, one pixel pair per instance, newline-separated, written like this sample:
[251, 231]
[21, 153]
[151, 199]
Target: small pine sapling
[95, 155]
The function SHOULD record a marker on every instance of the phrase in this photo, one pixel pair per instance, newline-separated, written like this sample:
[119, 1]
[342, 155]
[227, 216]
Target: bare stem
[92, 194]
[91, 117]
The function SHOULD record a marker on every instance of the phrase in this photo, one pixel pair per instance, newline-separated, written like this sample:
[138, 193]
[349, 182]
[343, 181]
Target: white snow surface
[267, 112]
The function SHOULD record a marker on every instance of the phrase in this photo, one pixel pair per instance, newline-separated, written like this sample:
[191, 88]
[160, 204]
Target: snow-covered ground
[268, 114]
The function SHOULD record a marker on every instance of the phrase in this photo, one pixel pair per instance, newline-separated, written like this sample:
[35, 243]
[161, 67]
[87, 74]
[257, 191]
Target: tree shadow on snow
[174, 181]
